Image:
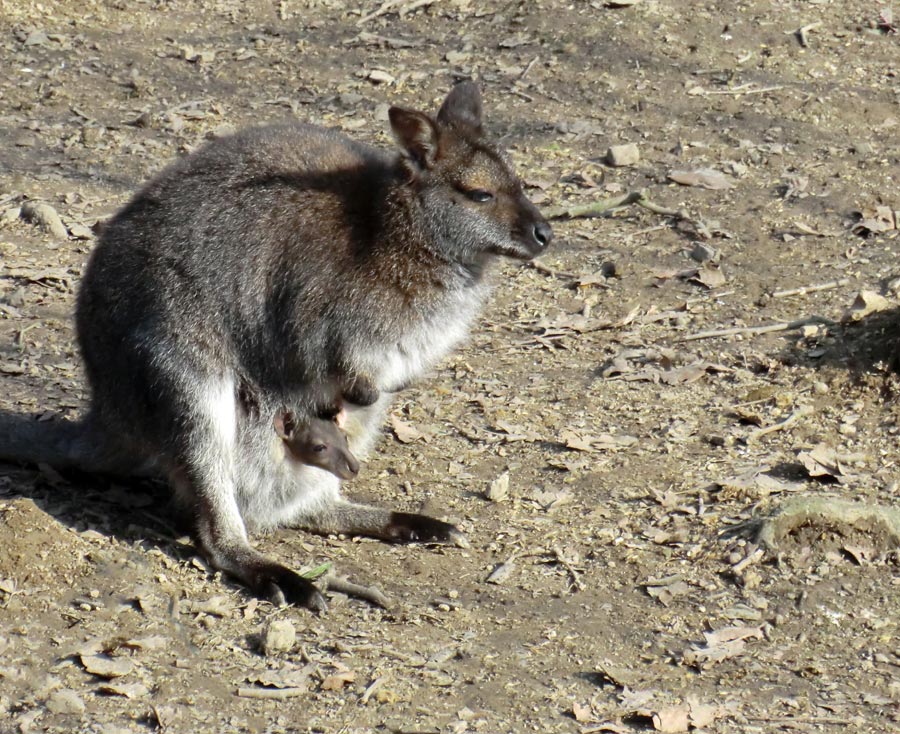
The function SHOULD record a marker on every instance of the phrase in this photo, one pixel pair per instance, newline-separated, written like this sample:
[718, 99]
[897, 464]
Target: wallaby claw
[281, 586]
[407, 527]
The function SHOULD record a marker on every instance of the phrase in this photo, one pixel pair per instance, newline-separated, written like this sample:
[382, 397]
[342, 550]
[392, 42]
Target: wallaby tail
[61, 443]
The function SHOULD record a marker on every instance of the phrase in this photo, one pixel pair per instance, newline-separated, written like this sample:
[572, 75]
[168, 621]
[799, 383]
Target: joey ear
[462, 107]
[416, 133]
[284, 424]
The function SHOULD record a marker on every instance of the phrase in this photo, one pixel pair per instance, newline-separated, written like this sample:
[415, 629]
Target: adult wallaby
[286, 257]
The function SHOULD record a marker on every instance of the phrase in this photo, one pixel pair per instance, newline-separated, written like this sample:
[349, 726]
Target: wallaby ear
[462, 107]
[284, 424]
[416, 133]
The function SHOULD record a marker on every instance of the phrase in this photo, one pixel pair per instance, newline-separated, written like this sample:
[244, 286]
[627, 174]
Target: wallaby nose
[352, 468]
[543, 233]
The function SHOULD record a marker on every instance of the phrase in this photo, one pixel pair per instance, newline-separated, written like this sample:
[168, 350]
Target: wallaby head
[317, 442]
[467, 187]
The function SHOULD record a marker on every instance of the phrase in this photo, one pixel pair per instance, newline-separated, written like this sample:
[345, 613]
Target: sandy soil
[604, 591]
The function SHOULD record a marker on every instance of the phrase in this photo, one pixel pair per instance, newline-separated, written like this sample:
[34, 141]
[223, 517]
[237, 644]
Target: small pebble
[279, 636]
[623, 155]
[702, 253]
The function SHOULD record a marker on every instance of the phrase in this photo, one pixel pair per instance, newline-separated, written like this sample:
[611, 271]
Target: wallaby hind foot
[350, 518]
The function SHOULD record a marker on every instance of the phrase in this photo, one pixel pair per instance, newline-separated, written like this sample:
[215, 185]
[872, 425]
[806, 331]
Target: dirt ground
[595, 454]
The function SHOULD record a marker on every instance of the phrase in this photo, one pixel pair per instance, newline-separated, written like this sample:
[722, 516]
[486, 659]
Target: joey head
[316, 441]
[289, 257]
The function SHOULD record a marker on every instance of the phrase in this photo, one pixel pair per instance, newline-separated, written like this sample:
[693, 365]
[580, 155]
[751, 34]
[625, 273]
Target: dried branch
[368, 593]
[765, 329]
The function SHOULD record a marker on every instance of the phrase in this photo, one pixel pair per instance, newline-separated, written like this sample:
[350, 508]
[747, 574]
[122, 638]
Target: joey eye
[479, 196]
[319, 448]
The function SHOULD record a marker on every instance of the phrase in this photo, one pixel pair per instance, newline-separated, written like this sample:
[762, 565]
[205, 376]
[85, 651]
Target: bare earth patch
[662, 377]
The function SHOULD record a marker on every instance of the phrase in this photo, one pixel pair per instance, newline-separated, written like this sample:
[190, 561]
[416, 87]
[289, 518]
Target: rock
[106, 667]
[278, 636]
[623, 155]
[45, 217]
[65, 701]
[702, 252]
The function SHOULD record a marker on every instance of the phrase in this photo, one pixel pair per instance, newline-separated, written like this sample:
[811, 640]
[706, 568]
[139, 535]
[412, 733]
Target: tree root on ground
[828, 512]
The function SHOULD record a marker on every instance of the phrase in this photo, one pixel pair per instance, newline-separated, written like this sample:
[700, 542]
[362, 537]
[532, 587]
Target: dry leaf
[684, 375]
[710, 276]
[152, 642]
[574, 441]
[501, 572]
[702, 714]
[128, 690]
[729, 634]
[858, 553]
[705, 657]
[284, 678]
[706, 178]
[721, 644]
[755, 483]
[672, 720]
[665, 594]
[515, 432]
[498, 490]
[866, 302]
[875, 221]
[824, 461]
[582, 712]
[337, 681]
[406, 432]
[106, 667]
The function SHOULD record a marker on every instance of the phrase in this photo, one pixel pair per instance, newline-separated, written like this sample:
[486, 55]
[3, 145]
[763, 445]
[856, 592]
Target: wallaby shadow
[126, 508]
[867, 347]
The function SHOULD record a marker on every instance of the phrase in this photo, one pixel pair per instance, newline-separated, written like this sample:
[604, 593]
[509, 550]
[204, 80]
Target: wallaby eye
[319, 448]
[480, 196]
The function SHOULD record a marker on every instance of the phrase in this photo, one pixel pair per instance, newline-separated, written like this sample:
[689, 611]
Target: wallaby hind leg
[350, 518]
[204, 477]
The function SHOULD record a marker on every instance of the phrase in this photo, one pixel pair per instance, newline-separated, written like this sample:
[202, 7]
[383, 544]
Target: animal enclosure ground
[595, 453]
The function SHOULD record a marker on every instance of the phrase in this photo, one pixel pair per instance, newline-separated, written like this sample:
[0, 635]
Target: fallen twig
[367, 593]
[605, 207]
[546, 270]
[755, 557]
[370, 689]
[566, 564]
[765, 329]
[277, 694]
[803, 410]
[742, 89]
[529, 66]
[803, 33]
[811, 288]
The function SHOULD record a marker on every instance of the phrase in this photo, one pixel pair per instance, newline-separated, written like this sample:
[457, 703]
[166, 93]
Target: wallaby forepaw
[406, 527]
[281, 586]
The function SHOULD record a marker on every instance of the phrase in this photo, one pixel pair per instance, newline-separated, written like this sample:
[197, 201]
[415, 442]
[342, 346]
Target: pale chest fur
[427, 339]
